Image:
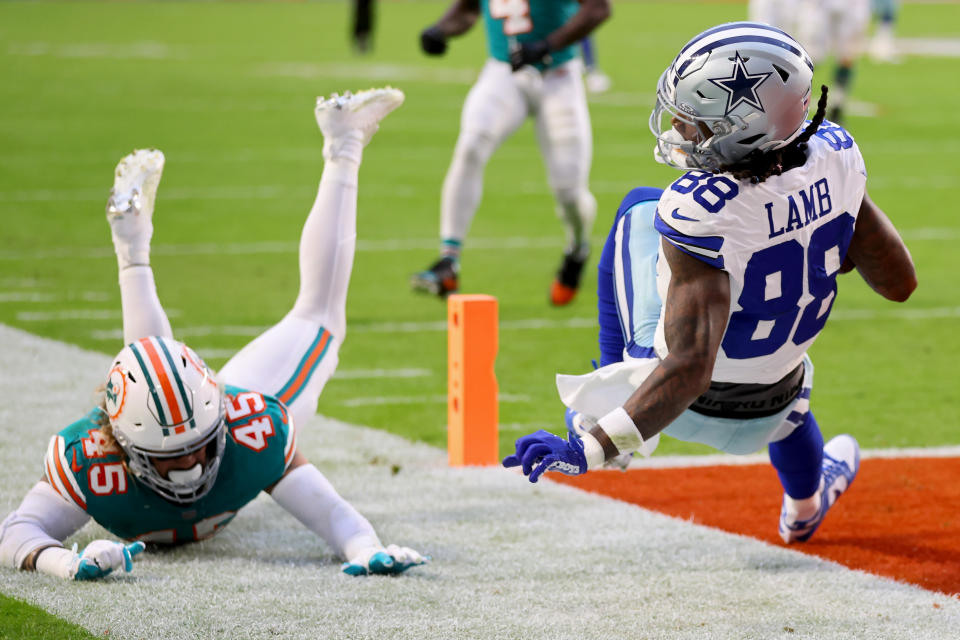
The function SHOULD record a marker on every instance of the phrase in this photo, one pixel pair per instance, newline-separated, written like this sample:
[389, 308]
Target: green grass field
[226, 90]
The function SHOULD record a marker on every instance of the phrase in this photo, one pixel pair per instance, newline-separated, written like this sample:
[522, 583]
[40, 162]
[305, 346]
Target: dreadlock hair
[758, 166]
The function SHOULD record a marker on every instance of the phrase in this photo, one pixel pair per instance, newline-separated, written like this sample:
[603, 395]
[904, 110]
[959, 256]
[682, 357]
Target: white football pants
[293, 359]
[833, 27]
[499, 102]
[779, 13]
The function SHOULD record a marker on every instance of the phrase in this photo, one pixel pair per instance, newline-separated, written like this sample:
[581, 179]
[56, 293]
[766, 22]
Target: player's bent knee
[475, 147]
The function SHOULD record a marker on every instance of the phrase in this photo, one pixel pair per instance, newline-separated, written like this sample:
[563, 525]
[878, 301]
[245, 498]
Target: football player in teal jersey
[172, 452]
[533, 70]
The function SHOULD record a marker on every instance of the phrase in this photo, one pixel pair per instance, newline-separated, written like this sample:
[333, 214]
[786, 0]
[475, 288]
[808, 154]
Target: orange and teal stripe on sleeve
[59, 474]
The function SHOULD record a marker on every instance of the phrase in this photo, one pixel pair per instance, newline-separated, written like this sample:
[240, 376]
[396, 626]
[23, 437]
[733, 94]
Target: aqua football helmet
[734, 89]
[163, 402]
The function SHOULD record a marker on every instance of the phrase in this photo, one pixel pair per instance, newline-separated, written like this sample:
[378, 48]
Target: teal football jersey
[260, 444]
[509, 21]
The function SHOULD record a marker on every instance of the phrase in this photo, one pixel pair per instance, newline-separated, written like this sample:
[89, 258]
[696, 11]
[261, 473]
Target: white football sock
[143, 315]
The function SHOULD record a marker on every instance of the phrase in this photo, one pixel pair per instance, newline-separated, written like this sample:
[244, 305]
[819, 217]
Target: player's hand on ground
[433, 41]
[528, 53]
[97, 560]
[543, 451]
[391, 560]
[101, 557]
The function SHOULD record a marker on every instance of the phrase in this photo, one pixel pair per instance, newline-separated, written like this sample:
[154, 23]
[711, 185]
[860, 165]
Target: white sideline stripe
[509, 559]
[26, 296]
[366, 374]
[285, 247]
[339, 374]
[723, 459]
[393, 73]
[928, 47]
[276, 191]
[144, 50]
[36, 296]
[373, 246]
[440, 398]
[527, 324]
[80, 314]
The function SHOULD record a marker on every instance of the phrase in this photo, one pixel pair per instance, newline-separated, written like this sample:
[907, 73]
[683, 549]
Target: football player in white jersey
[172, 453]
[835, 28]
[533, 71]
[705, 329]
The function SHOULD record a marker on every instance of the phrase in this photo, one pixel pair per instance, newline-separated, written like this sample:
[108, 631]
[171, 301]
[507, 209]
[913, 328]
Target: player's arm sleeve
[587, 18]
[43, 519]
[634, 273]
[311, 499]
[58, 471]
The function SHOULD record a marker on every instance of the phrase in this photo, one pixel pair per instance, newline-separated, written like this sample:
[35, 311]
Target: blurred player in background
[837, 28]
[883, 47]
[824, 27]
[363, 25]
[779, 13]
[533, 70]
[594, 78]
[172, 453]
[711, 292]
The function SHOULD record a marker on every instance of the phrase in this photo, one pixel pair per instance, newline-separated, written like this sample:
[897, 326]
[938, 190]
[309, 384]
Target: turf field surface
[510, 560]
[226, 90]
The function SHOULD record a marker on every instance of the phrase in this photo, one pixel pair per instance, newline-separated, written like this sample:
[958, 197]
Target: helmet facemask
[186, 487]
[163, 403]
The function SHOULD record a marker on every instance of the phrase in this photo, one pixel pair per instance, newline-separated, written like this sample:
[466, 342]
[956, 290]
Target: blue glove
[392, 560]
[543, 451]
[100, 558]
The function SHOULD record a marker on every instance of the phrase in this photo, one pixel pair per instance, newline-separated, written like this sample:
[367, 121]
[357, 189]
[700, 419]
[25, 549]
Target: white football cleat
[353, 116]
[841, 461]
[131, 202]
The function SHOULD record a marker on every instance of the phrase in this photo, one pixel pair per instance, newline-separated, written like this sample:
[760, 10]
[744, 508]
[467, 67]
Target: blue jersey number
[709, 191]
[778, 270]
[835, 135]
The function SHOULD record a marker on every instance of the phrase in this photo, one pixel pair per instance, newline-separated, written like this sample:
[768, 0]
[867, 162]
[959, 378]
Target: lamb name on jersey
[260, 443]
[509, 21]
[781, 241]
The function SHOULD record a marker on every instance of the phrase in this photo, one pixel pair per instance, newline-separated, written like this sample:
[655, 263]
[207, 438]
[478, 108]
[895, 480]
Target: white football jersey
[781, 241]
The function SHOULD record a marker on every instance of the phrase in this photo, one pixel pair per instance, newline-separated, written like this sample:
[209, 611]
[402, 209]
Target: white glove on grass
[97, 560]
[394, 559]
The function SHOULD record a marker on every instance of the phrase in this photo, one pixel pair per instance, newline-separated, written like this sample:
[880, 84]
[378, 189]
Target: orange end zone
[900, 519]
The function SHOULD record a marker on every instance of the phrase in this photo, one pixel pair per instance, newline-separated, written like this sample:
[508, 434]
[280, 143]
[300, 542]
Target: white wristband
[592, 451]
[621, 430]
[56, 561]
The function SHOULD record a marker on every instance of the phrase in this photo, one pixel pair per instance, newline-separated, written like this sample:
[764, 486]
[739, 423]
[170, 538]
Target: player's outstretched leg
[841, 461]
[130, 215]
[293, 359]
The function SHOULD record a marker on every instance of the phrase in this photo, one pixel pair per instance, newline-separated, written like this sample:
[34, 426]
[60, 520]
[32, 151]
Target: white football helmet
[733, 89]
[163, 402]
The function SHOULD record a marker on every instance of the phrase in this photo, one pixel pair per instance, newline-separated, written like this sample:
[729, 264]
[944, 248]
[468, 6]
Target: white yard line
[528, 324]
[384, 245]
[510, 559]
[370, 401]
